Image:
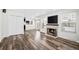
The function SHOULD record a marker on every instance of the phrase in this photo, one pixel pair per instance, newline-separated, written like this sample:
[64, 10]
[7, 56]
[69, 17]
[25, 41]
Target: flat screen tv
[53, 19]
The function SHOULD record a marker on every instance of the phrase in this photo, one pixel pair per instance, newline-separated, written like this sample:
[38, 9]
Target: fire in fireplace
[52, 32]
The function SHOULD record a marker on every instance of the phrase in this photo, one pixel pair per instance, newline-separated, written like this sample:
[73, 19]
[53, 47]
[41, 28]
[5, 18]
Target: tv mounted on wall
[53, 19]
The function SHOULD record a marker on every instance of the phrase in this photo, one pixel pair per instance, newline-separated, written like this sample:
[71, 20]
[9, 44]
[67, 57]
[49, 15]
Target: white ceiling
[29, 13]
[35, 12]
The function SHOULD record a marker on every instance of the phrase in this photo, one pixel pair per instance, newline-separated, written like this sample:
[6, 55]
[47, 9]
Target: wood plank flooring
[35, 40]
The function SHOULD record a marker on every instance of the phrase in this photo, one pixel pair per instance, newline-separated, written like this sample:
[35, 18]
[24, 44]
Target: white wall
[15, 25]
[11, 23]
[0, 25]
[74, 36]
[67, 35]
[77, 27]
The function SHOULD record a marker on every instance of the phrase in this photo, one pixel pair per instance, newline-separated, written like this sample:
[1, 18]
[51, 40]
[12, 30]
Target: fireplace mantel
[53, 27]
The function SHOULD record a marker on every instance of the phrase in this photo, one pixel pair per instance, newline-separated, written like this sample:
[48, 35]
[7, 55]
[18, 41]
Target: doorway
[37, 24]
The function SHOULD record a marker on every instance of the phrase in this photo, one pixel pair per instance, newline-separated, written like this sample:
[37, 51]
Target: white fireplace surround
[52, 27]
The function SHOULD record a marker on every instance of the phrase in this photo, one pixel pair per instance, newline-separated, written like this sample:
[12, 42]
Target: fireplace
[52, 31]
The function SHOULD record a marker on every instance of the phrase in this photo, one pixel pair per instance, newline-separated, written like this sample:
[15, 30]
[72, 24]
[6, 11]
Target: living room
[45, 29]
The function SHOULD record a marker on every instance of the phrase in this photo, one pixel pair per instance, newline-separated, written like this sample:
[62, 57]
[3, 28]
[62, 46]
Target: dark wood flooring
[35, 40]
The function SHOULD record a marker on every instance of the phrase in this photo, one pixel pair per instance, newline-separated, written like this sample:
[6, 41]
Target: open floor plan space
[39, 29]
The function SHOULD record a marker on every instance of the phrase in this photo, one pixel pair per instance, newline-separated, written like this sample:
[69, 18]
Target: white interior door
[15, 25]
[20, 25]
[38, 24]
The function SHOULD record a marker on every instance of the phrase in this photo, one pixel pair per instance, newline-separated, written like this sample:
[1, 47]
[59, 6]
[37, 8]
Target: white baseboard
[1, 38]
[77, 41]
[52, 36]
